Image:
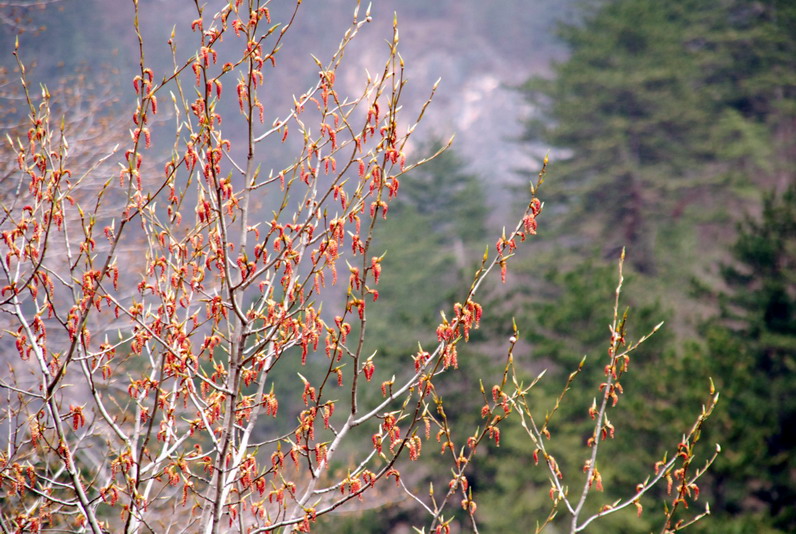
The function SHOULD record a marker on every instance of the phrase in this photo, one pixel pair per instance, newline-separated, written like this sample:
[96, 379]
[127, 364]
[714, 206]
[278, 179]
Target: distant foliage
[665, 105]
[751, 346]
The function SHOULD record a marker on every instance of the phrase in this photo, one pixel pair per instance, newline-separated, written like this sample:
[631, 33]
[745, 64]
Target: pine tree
[445, 192]
[627, 105]
[440, 216]
[663, 105]
[752, 350]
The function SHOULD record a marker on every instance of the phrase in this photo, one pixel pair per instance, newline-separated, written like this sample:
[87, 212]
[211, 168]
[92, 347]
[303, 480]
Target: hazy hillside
[480, 50]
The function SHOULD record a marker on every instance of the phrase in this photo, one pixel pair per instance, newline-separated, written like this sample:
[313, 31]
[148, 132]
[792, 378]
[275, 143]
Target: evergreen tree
[674, 113]
[746, 54]
[627, 104]
[439, 216]
[664, 105]
[751, 347]
[447, 194]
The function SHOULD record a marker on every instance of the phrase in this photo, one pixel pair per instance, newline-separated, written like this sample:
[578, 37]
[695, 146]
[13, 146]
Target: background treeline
[673, 132]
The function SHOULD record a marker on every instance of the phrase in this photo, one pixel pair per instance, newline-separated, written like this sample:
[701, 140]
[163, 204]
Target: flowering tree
[156, 311]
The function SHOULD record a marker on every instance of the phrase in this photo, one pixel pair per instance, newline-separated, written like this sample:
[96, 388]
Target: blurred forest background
[671, 128]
